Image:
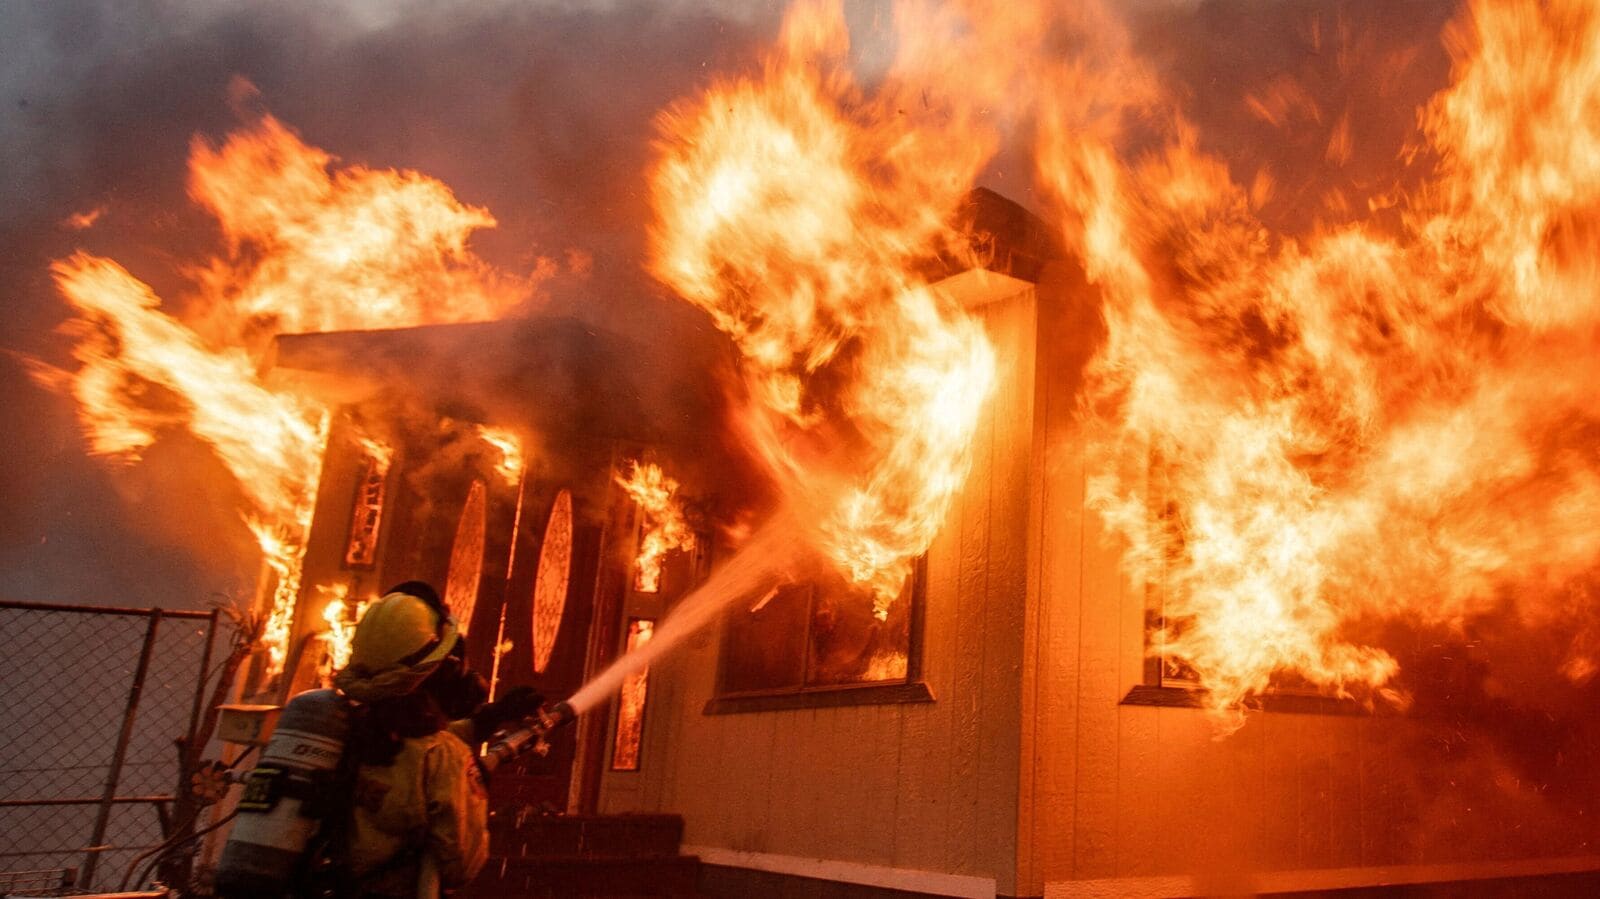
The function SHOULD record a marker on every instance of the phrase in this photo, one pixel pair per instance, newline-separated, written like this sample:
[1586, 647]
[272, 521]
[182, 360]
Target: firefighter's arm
[463, 730]
[458, 812]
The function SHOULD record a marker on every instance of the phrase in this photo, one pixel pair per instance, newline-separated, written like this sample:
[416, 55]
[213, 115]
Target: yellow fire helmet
[400, 640]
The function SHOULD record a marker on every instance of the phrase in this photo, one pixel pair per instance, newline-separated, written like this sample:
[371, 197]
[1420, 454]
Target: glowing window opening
[466, 557]
[630, 705]
[821, 639]
[1168, 519]
[550, 582]
[366, 518]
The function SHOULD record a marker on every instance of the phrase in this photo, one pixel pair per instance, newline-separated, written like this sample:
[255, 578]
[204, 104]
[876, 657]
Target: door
[548, 609]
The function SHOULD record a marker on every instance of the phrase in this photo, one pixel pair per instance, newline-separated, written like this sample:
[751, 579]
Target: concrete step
[675, 876]
[516, 789]
[521, 834]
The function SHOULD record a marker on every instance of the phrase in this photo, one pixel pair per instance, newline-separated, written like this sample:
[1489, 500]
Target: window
[366, 517]
[1168, 680]
[466, 558]
[550, 581]
[630, 705]
[818, 643]
[1167, 522]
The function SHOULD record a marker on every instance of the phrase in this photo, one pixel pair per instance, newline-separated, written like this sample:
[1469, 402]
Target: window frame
[911, 689]
[644, 708]
[1157, 687]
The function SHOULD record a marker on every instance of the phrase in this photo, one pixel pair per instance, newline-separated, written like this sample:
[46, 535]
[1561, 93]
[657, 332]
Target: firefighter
[418, 822]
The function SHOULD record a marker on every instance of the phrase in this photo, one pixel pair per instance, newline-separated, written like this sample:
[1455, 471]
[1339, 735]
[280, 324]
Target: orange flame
[381, 453]
[308, 246]
[1369, 423]
[509, 446]
[336, 249]
[796, 211]
[665, 529]
[341, 620]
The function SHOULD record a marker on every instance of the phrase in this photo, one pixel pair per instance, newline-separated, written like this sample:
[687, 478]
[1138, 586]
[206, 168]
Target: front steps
[585, 857]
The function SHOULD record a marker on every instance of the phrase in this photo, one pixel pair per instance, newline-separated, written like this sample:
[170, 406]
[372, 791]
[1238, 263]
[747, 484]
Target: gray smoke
[540, 112]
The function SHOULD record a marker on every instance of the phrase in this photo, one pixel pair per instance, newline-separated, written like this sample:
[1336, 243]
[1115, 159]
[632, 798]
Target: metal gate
[92, 703]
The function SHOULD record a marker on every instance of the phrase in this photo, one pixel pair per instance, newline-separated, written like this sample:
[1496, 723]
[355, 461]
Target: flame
[339, 248]
[631, 700]
[341, 620]
[366, 514]
[83, 221]
[381, 453]
[797, 212]
[664, 530]
[1299, 436]
[509, 446]
[308, 246]
[141, 372]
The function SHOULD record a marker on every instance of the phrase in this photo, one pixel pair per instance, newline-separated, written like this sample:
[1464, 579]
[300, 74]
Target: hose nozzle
[531, 735]
[554, 714]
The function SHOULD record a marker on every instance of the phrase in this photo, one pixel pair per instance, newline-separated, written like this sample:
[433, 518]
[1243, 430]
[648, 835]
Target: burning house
[1009, 727]
[539, 527]
[1193, 530]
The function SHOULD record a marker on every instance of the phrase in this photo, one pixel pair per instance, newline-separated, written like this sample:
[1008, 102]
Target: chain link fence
[92, 703]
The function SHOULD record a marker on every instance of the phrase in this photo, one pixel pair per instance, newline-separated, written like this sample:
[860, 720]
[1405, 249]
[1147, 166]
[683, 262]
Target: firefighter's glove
[518, 703]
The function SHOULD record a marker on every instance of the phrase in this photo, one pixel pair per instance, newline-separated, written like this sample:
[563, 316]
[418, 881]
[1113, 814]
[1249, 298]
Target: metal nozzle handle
[529, 736]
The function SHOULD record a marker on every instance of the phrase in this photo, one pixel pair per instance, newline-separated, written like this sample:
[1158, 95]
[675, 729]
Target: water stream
[755, 567]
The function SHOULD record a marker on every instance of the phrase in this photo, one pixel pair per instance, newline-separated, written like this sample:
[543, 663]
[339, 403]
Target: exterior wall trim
[930, 882]
[1314, 879]
[819, 698]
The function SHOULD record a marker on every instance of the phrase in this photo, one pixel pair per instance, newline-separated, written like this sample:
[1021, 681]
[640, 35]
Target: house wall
[1125, 800]
[411, 546]
[884, 790]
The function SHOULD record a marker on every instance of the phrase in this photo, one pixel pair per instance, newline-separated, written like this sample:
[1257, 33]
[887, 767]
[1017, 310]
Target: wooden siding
[1027, 768]
[927, 786]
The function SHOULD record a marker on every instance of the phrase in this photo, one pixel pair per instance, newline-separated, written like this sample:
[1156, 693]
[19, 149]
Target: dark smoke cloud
[540, 112]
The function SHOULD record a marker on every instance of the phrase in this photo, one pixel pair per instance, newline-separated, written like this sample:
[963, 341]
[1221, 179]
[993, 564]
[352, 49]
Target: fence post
[114, 776]
[200, 679]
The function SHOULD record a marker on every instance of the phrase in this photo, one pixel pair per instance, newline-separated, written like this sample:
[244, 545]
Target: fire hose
[531, 734]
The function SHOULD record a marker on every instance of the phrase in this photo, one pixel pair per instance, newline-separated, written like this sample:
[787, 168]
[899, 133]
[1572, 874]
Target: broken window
[1166, 521]
[817, 636]
[1169, 522]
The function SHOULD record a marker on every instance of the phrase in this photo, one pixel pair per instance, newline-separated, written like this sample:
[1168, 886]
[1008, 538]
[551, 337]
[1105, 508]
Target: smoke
[541, 113]
[1312, 103]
